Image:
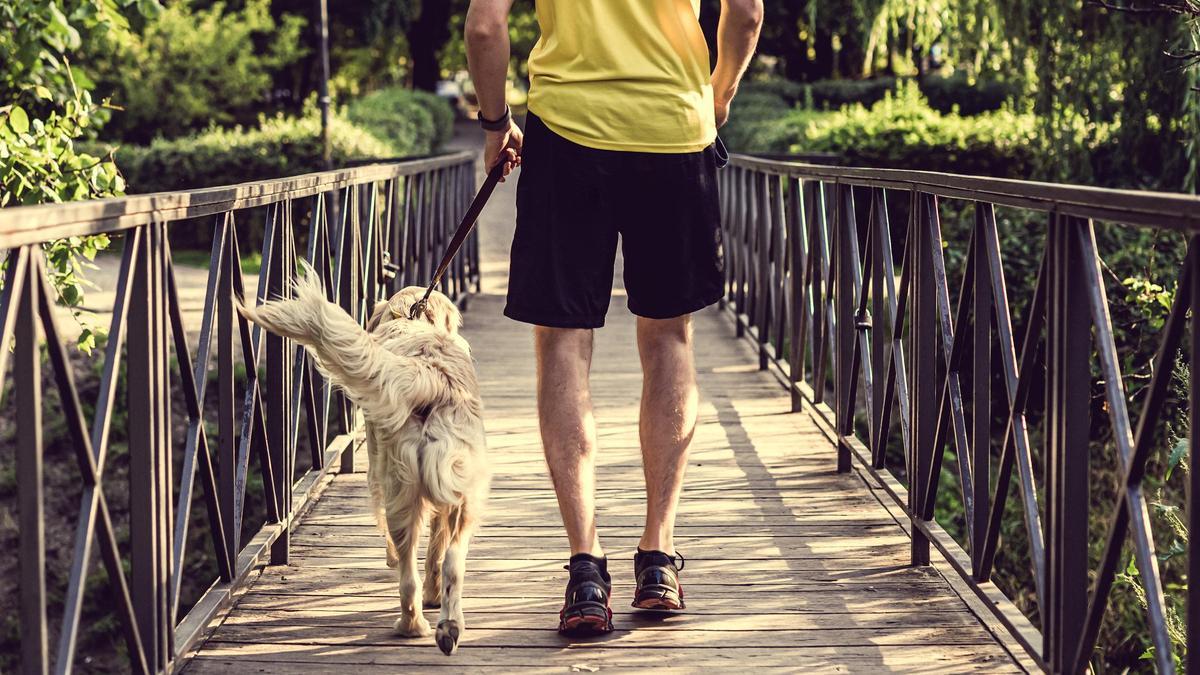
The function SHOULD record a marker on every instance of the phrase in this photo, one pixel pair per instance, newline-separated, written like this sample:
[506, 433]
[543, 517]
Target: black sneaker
[586, 609]
[658, 584]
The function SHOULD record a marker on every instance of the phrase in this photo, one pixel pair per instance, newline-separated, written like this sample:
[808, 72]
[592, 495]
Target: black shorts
[573, 202]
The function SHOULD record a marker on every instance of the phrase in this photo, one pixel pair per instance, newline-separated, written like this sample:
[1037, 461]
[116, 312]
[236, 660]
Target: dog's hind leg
[439, 539]
[375, 487]
[451, 622]
[405, 526]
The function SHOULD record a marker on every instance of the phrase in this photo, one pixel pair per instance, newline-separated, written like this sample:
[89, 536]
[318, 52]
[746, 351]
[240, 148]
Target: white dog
[416, 384]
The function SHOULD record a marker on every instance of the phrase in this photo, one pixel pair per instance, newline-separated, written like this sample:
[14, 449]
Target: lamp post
[323, 39]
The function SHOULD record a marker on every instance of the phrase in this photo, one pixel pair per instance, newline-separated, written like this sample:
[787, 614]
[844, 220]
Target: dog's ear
[443, 314]
[380, 313]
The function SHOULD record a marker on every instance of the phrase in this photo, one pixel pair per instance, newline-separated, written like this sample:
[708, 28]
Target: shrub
[834, 94]
[751, 113]
[280, 146]
[945, 93]
[901, 131]
[415, 123]
[191, 68]
[787, 91]
[969, 97]
[443, 116]
[822, 94]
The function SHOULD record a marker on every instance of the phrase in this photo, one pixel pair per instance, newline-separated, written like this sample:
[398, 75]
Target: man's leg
[564, 357]
[668, 419]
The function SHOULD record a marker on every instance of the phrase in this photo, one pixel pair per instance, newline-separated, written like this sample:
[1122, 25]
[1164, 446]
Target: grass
[251, 262]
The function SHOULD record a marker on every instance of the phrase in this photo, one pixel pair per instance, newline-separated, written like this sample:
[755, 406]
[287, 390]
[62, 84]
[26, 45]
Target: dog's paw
[447, 636]
[412, 626]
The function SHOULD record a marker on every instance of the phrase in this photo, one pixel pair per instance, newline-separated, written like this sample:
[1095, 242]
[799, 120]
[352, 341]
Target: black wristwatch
[496, 125]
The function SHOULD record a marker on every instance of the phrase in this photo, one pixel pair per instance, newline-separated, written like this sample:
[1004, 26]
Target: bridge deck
[790, 566]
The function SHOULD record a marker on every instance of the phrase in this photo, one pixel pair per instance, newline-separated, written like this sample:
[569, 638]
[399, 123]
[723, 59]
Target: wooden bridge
[835, 378]
[790, 564]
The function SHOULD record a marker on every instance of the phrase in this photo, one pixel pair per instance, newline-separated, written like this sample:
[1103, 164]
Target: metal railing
[370, 230]
[811, 265]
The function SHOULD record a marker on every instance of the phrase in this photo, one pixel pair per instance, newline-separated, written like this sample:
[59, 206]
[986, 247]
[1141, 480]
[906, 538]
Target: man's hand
[503, 146]
[721, 111]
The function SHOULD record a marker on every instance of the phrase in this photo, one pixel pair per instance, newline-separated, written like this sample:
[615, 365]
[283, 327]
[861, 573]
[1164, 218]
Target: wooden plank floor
[791, 567]
[789, 564]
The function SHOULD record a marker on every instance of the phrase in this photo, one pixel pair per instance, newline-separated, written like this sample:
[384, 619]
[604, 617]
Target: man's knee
[563, 344]
[654, 334]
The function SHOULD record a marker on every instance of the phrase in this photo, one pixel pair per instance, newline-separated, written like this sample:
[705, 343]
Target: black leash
[460, 235]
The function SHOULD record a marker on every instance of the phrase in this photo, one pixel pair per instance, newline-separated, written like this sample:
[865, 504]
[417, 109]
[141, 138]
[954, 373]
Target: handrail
[855, 318]
[1134, 207]
[367, 231]
[31, 224]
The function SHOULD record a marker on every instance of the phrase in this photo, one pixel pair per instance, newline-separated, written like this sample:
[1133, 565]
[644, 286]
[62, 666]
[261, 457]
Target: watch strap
[496, 125]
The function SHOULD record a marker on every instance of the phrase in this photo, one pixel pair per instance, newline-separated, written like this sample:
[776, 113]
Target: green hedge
[416, 121]
[391, 123]
[900, 131]
[945, 93]
[280, 146]
[443, 116]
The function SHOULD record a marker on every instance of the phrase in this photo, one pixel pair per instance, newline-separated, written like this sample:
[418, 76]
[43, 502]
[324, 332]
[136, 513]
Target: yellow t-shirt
[627, 75]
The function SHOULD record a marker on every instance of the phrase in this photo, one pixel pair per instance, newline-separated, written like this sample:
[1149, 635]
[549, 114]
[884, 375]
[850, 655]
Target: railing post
[795, 224]
[741, 246]
[1192, 659]
[923, 386]
[876, 230]
[763, 225]
[821, 287]
[229, 491]
[1068, 385]
[22, 289]
[844, 308]
[278, 404]
[349, 276]
[149, 453]
[981, 403]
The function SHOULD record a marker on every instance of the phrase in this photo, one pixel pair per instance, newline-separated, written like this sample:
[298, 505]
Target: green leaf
[43, 93]
[149, 8]
[1177, 454]
[70, 295]
[18, 119]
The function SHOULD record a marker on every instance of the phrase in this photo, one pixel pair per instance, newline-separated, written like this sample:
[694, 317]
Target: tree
[49, 108]
[428, 34]
[191, 66]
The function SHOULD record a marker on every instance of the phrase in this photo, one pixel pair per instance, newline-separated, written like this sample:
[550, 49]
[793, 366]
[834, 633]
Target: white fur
[416, 384]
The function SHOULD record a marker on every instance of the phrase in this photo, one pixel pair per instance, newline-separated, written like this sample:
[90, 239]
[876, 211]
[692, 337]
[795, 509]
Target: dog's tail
[387, 386]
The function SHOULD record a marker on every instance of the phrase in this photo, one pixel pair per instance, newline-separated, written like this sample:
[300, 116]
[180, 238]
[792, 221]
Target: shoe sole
[585, 618]
[658, 598]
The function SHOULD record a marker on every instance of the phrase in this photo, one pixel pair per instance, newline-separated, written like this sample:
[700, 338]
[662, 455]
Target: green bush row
[900, 131]
[945, 93]
[417, 121]
[403, 124]
[280, 146]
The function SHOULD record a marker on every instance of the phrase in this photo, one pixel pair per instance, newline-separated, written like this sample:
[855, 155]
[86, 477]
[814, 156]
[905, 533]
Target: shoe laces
[677, 559]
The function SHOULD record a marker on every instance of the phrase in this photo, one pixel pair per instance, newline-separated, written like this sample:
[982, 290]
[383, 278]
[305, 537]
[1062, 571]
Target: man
[623, 113]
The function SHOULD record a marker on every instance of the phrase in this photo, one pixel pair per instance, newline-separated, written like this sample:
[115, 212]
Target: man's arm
[487, 59]
[737, 35]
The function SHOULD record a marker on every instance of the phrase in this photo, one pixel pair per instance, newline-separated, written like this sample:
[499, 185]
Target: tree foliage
[48, 108]
[190, 67]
